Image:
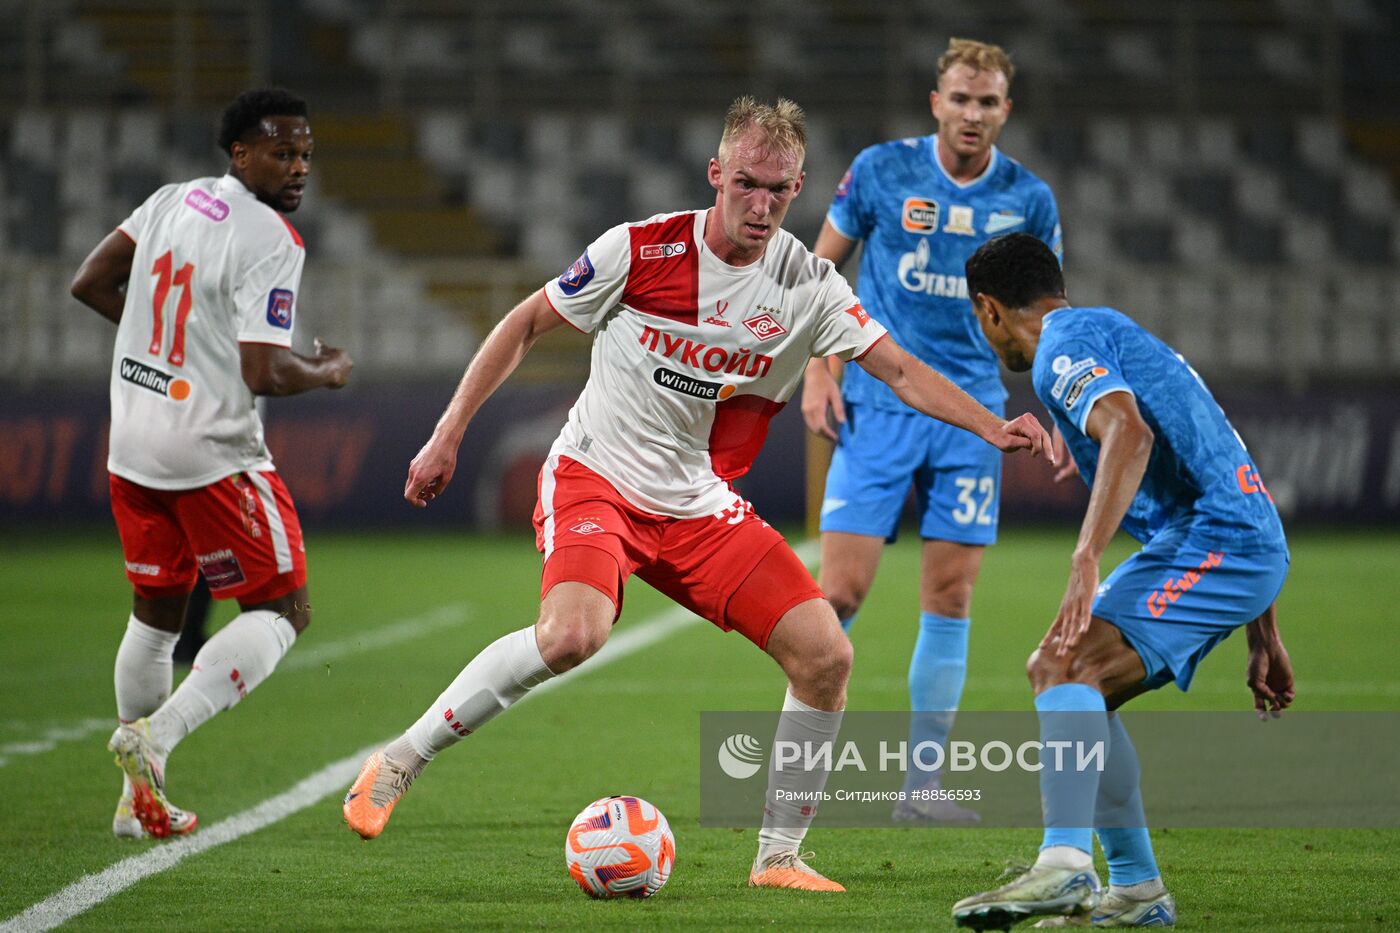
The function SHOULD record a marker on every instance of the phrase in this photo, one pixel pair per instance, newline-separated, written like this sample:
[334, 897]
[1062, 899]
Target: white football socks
[1142, 891]
[499, 676]
[227, 668]
[1069, 857]
[790, 804]
[143, 669]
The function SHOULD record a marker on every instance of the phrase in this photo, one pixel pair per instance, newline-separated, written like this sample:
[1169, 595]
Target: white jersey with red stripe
[692, 357]
[214, 268]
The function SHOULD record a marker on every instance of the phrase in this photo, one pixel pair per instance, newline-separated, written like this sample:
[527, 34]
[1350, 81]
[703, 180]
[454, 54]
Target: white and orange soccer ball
[620, 847]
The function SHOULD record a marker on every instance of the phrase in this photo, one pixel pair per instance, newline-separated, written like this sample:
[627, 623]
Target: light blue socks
[937, 672]
[1119, 813]
[1073, 714]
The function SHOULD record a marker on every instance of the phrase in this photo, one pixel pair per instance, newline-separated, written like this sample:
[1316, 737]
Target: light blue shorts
[956, 477]
[1175, 602]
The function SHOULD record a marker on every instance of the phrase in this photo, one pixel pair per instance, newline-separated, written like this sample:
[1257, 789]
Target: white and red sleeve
[844, 328]
[265, 297]
[134, 226]
[593, 285]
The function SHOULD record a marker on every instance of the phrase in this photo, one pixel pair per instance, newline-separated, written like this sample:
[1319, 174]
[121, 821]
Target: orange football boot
[787, 870]
[372, 797]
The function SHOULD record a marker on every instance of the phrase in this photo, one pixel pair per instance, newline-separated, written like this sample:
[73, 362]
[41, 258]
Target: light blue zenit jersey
[1201, 482]
[919, 228]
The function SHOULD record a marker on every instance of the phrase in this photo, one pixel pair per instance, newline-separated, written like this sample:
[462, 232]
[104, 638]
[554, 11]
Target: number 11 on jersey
[165, 277]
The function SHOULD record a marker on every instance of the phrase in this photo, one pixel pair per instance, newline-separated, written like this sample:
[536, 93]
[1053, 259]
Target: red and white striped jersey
[692, 357]
[214, 268]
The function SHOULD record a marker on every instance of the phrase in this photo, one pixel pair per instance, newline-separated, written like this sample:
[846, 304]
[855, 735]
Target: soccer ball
[620, 847]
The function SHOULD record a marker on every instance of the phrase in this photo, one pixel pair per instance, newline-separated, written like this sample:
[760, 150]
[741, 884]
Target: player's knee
[1044, 669]
[839, 661]
[950, 597]
[300, 618]
[565, 642]
[845, 597]
[295, 607]
[830, 668]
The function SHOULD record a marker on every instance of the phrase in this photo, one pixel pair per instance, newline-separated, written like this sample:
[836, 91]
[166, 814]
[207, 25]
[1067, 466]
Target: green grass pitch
[478, 842]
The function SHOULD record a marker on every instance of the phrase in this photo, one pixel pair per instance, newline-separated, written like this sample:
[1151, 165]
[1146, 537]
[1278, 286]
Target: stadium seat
[1259, 192]
[138, 138]
[33, 136]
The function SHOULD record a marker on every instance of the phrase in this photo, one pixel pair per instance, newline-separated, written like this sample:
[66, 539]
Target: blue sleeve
[1045, 221]
[1082, 371]
[850, 210]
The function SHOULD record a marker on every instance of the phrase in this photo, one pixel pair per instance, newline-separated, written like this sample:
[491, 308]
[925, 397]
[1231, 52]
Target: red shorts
[242, 533]
[734, 569]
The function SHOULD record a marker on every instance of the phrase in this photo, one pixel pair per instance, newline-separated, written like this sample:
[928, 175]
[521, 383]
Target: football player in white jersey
[703, 323]
[201, 282]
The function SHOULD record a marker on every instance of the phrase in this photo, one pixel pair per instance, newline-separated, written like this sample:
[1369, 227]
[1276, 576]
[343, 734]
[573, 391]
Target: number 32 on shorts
[970, 490]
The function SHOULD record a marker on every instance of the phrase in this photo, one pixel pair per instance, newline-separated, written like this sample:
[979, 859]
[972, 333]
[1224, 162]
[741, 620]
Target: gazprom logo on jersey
[153, 379]
[208, 205]
[915, 277]
[661, 250]
[577, 276]
[689, 385]
[279, 308]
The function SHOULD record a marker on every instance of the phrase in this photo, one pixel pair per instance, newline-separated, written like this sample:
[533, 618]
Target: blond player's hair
[979, 56]
[783, 124]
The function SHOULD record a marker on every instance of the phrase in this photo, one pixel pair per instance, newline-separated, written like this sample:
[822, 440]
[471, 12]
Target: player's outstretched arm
[1270, 672]
[272, 370]
[499, 354]
[101, 280]
[1125, 444]
[930, 392]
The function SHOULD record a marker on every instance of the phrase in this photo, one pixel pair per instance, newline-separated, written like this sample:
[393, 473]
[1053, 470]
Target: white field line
[90, 890]
[434, 620]
[316, 656]
[48, 739]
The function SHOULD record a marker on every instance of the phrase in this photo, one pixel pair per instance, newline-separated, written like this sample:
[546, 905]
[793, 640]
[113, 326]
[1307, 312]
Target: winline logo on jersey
[1018, 769]
[689, 385]
[147, 377]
